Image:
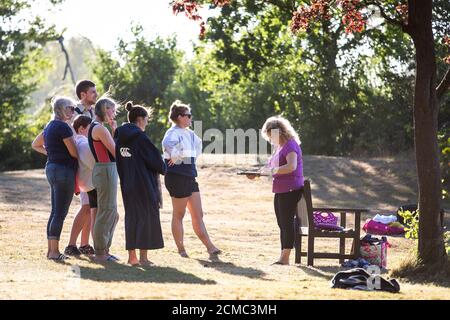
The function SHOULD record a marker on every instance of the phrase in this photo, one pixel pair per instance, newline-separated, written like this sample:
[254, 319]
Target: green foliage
[444, 146]
[340, 98]
[142, 72]
[81, 53]
[411, 220]
[21, 62]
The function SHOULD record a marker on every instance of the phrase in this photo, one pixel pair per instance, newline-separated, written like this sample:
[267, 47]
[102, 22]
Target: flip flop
[112, 258]
[61, 257]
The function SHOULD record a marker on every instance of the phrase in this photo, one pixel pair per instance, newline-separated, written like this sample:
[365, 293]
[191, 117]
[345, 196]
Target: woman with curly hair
[286, 168]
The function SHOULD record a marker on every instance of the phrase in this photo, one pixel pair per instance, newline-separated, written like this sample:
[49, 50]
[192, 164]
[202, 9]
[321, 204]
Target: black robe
[139, 164]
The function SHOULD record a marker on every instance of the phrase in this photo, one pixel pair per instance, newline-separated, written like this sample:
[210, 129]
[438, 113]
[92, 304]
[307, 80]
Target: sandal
[61, 257]
[87, 250]
[72, 251]
[112, 258]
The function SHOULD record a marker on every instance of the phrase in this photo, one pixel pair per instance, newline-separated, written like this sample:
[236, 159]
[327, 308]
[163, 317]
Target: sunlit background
[104, 21]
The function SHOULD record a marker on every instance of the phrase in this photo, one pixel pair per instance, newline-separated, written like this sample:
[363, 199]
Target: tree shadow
[231, 268]
[362, 182]
[116, 272]
[17, 187]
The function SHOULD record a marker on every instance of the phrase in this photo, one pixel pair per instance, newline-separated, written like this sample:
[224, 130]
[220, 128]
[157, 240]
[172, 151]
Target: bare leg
[49, 247]
[85, 232]
[143, 258]
[194, 206]
[54, 249]
[132, 258]
[93, 215]
[78, 224]
[179, 210]
[284, 257]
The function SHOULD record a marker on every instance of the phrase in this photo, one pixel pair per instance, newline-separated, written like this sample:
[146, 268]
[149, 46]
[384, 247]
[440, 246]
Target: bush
[411, 220]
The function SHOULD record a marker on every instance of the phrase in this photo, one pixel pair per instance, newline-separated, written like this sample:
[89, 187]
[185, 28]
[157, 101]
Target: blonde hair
[283, 126]
[58, 106]
[177, 109]
[105, 102]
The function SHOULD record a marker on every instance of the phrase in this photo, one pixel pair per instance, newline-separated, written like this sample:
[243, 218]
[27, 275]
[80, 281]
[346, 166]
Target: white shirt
[179, 143]
[86, 163]
[89, 113]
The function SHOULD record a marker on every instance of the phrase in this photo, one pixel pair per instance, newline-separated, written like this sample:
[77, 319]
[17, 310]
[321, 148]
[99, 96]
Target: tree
[21, 41]
[143, 72]
[415, 18]
[332, 105]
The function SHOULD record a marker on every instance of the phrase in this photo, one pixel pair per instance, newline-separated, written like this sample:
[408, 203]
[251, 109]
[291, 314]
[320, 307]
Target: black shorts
[92, 195]
[180, 186]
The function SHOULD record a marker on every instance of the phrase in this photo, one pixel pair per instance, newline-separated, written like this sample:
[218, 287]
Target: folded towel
[385, 219]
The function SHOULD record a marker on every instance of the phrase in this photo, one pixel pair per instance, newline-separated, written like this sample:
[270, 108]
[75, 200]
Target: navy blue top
[185, 168]
[54, 134]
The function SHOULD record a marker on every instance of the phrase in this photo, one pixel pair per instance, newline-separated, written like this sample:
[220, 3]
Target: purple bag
[325, 220]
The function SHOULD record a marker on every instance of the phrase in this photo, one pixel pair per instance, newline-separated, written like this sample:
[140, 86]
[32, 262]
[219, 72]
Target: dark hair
[178, 109]
[136, 111]
[81, 121]
[83, 86]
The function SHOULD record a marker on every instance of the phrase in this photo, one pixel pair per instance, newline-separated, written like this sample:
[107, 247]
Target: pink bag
[374, 227]
[375, 251]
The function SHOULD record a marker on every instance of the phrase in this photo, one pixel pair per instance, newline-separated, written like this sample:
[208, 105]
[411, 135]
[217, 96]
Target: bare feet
[214, 251]
[281, 263]
[133, 262]
[146, 263]
[183, 254]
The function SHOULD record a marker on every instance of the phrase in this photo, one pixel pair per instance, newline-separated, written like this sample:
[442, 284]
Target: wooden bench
[304, 226]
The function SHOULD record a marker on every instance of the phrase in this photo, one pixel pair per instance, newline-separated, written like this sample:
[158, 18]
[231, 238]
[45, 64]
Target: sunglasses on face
[71, 108]
[187, 115]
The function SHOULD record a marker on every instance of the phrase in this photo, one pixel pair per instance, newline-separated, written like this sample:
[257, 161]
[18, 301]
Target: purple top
[283, 183]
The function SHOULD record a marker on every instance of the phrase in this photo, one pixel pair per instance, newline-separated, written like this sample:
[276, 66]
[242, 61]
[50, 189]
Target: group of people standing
[87, 153]
[85, 156]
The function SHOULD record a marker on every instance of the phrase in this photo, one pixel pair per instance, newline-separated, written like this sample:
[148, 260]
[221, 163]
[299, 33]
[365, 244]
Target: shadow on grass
[116, 272]
[412, 271]
[231, 268]
[326, 272]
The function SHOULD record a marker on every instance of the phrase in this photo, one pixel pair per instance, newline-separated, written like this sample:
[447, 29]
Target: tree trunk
[431, 243]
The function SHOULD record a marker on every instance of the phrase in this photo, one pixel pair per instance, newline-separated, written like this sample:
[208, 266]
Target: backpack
[360, 279]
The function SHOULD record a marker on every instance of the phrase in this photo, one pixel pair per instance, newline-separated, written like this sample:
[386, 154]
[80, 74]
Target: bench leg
[357, 245]
[298, 248]
[310, 251]
[341, 249]
[297, 243]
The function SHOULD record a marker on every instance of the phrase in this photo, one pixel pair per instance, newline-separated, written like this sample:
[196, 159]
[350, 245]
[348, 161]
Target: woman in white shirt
[181, 147]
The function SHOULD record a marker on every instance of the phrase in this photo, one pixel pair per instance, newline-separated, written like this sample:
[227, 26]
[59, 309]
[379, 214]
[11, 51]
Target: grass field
[240, 220]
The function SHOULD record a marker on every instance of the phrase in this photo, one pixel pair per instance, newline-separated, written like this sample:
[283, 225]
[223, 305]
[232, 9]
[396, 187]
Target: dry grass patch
[240, 219]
